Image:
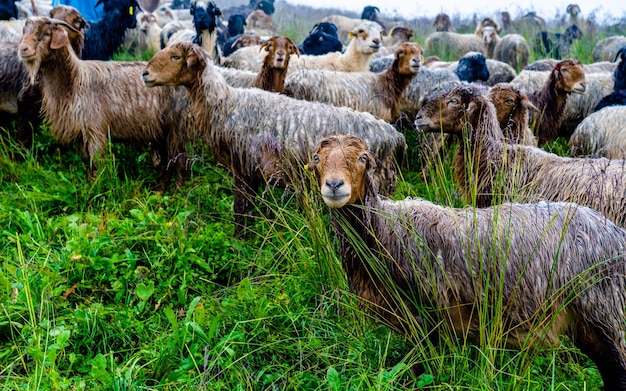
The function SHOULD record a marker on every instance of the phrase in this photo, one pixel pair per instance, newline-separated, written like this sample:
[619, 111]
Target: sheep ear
[59, 38]
[527, 104]
[195, 56]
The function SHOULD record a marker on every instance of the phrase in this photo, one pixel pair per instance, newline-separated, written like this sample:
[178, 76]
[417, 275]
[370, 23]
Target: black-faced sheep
[556, 45]
[566, 77]
[602, 133]
[606, 49]
[90, 102]
[269, 147]
[618, 96]
[240, 41]
[443, 260]
[321, 39]
[8, 10]
[376, 93]
[512, 109]
[346, 24]
[491, 170]
[104, 37]
[474, 67]
[448, 44]
[204, 32]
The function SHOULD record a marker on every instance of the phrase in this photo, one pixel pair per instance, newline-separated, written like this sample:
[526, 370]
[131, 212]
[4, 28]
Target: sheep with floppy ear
[228, 120]
[454, 263]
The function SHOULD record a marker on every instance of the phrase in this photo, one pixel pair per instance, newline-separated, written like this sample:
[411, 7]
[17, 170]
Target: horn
[64, 23]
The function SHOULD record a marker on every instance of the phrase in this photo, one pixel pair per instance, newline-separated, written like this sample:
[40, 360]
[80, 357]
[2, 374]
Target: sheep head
[442, 22]
[489, 35]
[126, 10]
[569, 76]
[179, 64]
[512, 105]
[279, 50]
[72, 17]
[409, 58]
[341, 164]
[368, 37]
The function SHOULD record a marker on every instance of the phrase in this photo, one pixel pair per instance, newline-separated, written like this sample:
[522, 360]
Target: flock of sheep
[549, 230]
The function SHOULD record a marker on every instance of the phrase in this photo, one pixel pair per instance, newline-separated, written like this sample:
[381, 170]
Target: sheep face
[570, 76]
[442, 22]
[42, 37]
[409, 57]
[400, 34]
[280, 49]
[178, 64]
[448, 111]
[489, 35]
[368, 36]
[509, 101]
[72, 17]
[341, 163]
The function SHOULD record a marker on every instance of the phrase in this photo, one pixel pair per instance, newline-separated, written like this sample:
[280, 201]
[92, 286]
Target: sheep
[578, 106]
[474, 67]
[8, 10]
[260, 135]
[567, 77]
[235, 27]
[492, 170]
[164, 15]
[266, 6]
[397, 35]
[204, 32]
[104, 37]
[547, 64]
[442, 22]
[606, 49]
[376, 93]
[261, 23]
[486, 22]
[556, 45]
[11, 30]
[345, 24]
[421, 257]
[449, 44]
[602, 133]
[90, 102]
[237, 42]
[365, 42]
[574, 18]
[512, 107]
[511, 48]
[618, 96]
[321, 39]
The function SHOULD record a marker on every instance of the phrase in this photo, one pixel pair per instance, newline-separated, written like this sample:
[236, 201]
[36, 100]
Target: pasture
[108, 285]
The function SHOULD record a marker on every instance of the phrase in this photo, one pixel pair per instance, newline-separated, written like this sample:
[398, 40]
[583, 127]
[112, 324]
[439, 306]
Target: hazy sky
[415, 8]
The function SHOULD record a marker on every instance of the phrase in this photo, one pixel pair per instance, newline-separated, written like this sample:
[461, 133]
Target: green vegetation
[105, 285]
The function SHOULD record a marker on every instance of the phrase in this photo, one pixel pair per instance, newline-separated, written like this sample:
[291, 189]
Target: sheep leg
[28, 114]
[604, 350]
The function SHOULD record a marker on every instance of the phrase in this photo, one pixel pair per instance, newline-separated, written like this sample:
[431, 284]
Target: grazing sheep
[606, 49]
[547, 64]
[618, 96]
[511, 48]
[104, 37]
[237, 42]
[492, 170]
[442, 22]
[556, 45]
[263, 136]
[555, 268]
[601, 134]
[376, 93]
[322, 39]
[449, 44]
[566, 77]
[90, 102]
[512, 107]
[365, 42]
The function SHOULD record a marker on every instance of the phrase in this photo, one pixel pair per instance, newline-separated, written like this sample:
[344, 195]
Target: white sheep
[260, 135]
[601, 133]
[605, 49]
[511, 48]
[450, 44]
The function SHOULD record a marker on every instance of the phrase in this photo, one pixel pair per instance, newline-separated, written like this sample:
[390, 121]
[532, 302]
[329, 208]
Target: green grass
[105, 285]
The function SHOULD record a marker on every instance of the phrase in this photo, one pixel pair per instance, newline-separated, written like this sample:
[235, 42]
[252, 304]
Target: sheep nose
[376, 41]
[334, 184]
[145, 73]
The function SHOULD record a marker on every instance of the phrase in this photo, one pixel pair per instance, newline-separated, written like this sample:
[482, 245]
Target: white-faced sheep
[448, 44]
[376, 93]
[366, 41]
[557, 267]
[606, 49]
[90, 102]
[512, 109]
[511, 48]
[491, 170]
[602, 133]
[263, 136]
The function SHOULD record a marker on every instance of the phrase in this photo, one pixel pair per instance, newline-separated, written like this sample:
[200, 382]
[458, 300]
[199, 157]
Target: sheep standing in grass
[263, 136]
[492, 170]
[376, 93]
[511, 48]
[525, 262]
[90, 102]
[442, 22]
[446, 43]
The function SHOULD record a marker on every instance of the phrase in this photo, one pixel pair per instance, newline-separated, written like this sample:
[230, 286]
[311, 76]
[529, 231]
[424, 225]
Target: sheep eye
[175, 57]
[454, 101]
[363, 158]
[316, 158]
[509, 101]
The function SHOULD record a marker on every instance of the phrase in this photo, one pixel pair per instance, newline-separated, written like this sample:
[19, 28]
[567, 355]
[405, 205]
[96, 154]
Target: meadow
[107, 285]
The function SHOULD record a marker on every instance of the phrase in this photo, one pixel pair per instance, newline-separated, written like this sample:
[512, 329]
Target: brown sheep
[90, 102]
[447, 262]
[376, 93]
[490, 169]
[260, 22]
[272, 75]
[262, 136]
[567, 76]
[442, 22]
[512, 106]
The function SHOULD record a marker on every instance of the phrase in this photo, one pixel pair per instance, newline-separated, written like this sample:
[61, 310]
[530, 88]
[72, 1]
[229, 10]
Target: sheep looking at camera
[492, 170]
[512, 109]
[444, 259]
[376, 93]
[273, 146]
[90, 102]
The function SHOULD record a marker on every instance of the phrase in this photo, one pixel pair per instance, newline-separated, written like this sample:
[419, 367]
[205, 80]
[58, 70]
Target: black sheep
[104, 37]
[472, 68]
[618, 96]
[556, 45]
[322, 39]
[8, 10]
